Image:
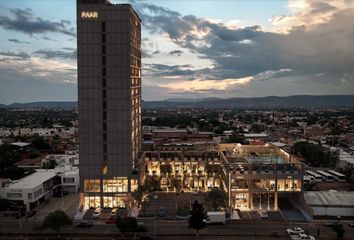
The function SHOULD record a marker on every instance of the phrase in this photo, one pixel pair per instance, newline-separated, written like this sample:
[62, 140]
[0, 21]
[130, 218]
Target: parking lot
[69, 204]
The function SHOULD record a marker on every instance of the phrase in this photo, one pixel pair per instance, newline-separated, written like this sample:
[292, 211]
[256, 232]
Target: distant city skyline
[191, 49]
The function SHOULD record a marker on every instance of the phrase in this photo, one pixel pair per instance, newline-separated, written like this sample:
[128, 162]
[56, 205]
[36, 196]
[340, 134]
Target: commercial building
[109, 86]
[30, 191]
[254, 176]
[39, 186]
[330, 203]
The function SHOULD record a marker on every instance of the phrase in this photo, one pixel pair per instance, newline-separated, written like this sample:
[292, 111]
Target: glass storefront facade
[108, 192]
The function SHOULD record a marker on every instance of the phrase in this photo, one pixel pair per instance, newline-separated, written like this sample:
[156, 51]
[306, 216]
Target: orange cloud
[202, 85]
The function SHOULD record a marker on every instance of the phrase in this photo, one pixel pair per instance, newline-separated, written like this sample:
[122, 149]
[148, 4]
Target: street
[173, 229]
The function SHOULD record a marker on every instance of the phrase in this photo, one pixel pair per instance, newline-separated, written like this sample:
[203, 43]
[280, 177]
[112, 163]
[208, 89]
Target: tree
[217, 199]
[348, 172]
[197, 217]
[338, 228]
[50, 164]
[4, 204]
[236, 138]
[12, 172]
[128, 224]
[56, 220]
[143, 196]
[40, 144]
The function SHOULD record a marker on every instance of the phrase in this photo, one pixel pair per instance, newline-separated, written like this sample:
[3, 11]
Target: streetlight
[155, 220]
[229, 192]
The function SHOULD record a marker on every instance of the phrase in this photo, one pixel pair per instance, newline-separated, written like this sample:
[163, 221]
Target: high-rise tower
[109, 83]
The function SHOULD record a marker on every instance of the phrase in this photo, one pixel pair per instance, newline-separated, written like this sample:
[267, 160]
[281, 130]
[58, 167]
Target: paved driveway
[68, 204]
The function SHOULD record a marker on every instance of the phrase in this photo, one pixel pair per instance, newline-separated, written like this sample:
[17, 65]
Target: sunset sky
[191, 49]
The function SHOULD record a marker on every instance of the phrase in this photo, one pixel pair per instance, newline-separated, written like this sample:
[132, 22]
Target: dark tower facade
[109, 92]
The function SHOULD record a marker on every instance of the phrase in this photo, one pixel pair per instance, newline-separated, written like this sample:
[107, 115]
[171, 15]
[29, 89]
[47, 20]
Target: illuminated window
[115, 185]
[105, 170]
[92, 185]
[133, 185]
[92, 201]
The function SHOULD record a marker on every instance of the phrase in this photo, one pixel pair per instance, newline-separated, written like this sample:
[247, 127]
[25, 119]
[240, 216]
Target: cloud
[176, 52]
[309, 14]
[205, 85]
[20, 55]
[164, 70]
[49, 70]
[24, 21]
[49, 39]
[14, 40]
[317, 38]
[50, 54]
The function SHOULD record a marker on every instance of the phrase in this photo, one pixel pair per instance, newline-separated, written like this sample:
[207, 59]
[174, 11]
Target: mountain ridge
[294, 101]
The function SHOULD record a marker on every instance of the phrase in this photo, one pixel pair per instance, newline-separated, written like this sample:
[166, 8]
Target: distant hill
[259, 102]
[43, 105]
[299, 101]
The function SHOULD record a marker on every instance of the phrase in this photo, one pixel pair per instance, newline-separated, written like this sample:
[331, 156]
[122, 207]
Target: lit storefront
[108, 192]
[192, 173]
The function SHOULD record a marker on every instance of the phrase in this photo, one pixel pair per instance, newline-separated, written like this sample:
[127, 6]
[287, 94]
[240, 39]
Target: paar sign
[89, 14]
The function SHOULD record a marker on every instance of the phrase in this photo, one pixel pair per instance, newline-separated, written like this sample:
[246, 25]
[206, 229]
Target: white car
[97, 213]
[302, 236]
[295, 231]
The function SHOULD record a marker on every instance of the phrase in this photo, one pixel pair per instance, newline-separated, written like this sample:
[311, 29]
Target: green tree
[257, 128]
[128, 224]
[56, 220]
[50, 164]
[8, 156]
[217, 199]
[12, 172]
[236, 138]
[338, 228]
[143, 195]
[348, 172]
[40, 144]
[4, 204]
[197, 217]
[315, 154]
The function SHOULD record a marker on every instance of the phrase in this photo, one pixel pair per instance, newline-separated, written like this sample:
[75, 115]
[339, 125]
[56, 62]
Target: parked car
[263, 214]
[18, 215]
[217, 217]
[114, 212]
[295, 231]
[31, 213]
[111, 221]
[302, 236]
[147, 237]
[84, 224]
[332, 223]
[97, 213]
[162, 212]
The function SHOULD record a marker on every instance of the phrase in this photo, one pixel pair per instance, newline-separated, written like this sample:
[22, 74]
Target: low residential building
[63, 159]
[344, 160]
[70, 179]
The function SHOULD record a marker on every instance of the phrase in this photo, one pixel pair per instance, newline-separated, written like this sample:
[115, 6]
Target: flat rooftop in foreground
[33, 180]
[265, 159]
[330, 198]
